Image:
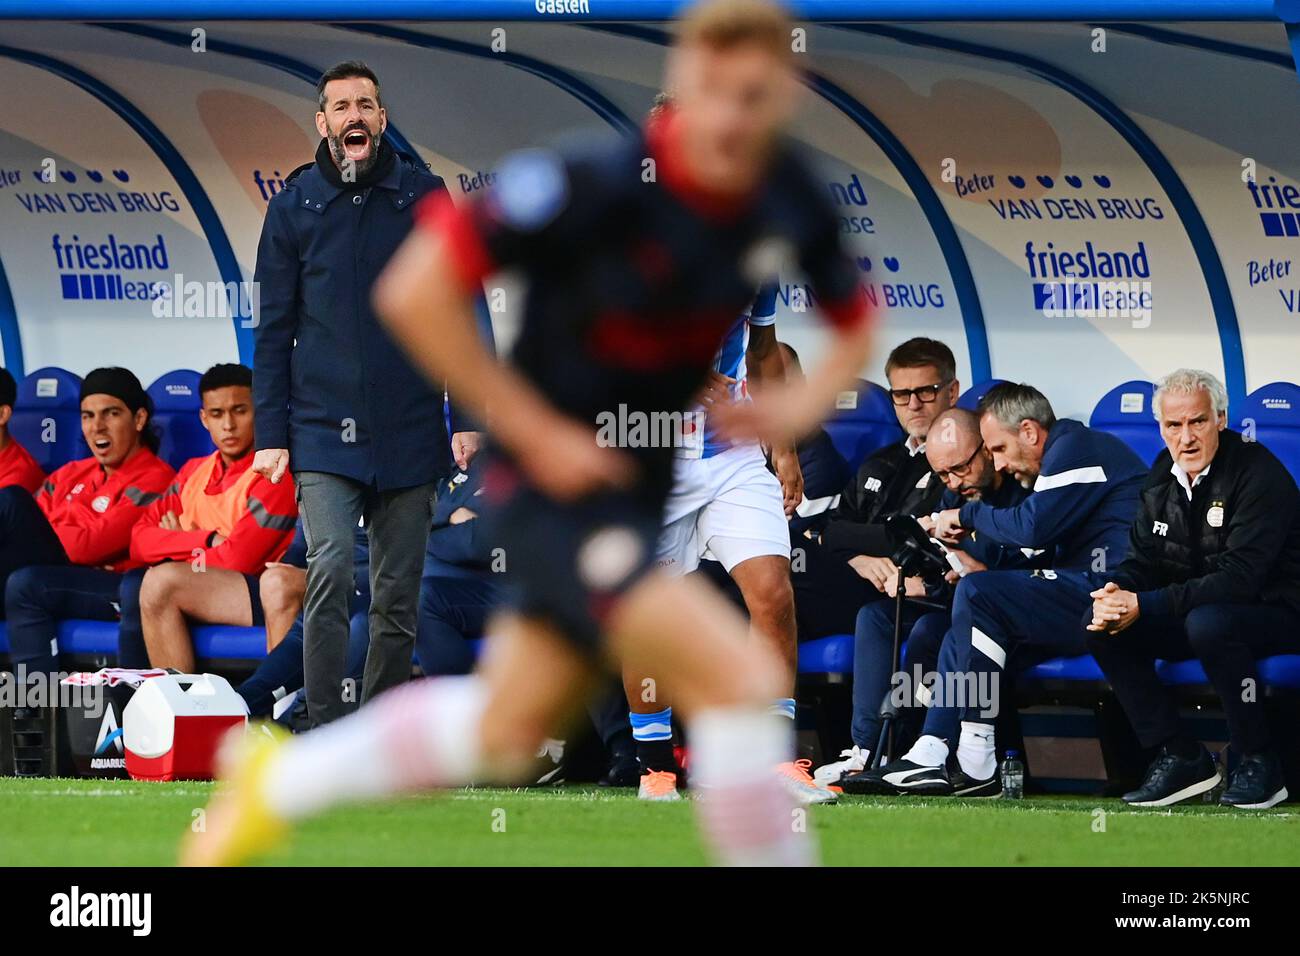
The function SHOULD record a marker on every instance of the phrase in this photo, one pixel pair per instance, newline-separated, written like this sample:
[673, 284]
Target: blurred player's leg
[450, 731]
[443, 732]
[724, 684]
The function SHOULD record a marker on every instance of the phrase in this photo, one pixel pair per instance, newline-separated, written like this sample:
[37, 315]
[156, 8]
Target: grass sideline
[62, 822]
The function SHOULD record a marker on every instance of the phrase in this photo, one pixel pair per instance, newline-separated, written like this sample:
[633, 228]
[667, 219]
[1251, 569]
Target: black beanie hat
[118, 382]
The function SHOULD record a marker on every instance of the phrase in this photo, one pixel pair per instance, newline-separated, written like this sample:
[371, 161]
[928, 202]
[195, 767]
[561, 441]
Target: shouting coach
[336, 401]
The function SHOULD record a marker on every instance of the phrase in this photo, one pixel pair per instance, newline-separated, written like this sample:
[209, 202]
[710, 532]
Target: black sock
[656, 755]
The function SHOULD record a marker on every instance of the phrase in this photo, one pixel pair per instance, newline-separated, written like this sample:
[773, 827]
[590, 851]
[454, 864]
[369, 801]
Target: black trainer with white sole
[1256, 784]
[1172, 779]
[964, 785]
[898, 776]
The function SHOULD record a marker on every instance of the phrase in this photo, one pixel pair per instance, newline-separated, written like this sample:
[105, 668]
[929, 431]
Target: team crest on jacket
[100, 503]
[1214, 517]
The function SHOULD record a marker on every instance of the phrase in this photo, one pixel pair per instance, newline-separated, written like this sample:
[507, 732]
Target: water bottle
[1013, 776]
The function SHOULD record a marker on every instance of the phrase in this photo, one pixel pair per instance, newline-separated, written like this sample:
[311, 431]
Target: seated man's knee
[161, 584]
[24, 589]
[281, 589]
[1208, 628]
[875, 621]
[976, 590]
[435, 602]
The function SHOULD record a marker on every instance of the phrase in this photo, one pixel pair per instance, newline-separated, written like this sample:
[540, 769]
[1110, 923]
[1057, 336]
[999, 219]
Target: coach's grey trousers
[397, 525]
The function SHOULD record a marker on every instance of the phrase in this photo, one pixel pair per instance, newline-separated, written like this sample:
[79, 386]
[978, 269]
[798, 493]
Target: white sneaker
[551, 753]
[794, 774]
[855, 761]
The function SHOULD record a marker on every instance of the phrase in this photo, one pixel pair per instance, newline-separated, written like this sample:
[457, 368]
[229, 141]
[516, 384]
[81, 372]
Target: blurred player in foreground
[639, 256]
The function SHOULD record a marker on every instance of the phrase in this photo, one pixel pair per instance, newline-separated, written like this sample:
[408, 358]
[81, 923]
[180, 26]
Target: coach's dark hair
[347, 70]
[8, 388]
[920, 352]
[225, 375]
[1011, 404]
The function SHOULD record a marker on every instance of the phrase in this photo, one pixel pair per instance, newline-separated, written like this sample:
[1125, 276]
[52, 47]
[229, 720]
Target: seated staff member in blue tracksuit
[1086, 485]
[1213, 572]
[956, 453]
[458, 589]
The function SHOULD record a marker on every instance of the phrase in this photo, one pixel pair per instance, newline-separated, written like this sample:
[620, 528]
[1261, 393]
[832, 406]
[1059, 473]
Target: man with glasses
[962, 464]
[848, 564]
[1086, 487]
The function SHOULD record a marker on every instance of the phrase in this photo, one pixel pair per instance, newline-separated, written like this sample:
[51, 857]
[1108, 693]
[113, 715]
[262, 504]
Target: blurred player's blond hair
[725, 24]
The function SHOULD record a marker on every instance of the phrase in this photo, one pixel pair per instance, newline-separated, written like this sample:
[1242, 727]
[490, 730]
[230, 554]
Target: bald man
[958, 458]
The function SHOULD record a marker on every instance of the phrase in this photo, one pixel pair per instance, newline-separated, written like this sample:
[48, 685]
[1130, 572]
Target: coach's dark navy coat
[328, 382]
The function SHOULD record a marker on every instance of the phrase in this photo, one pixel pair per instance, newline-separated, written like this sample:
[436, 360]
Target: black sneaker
[1171, 779]
[1256, 784]
[624, 771]
[962, 784]
[899, 776]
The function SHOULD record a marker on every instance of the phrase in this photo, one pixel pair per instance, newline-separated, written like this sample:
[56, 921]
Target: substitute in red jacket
[220, 518]
[62, 553]
[17, 466]
[218, 504]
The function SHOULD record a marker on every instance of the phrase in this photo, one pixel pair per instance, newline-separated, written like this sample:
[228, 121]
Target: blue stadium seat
[863, 422]
[49, 407]
[227, 642]
[1125, 412]
[1082, 668]
[211, 641]
[970, 399]
[1280, 671]
[88, 637]
[827, 655]
[1273, 411]
[176, 404]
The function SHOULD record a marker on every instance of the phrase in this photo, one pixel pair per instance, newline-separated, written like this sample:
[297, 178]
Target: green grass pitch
[58, 822]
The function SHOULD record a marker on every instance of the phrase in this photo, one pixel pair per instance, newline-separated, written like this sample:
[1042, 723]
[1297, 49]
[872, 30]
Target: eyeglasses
[926, 393]
[962, 470]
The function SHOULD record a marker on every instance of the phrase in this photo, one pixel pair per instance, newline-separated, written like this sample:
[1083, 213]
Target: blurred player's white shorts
[726, 508]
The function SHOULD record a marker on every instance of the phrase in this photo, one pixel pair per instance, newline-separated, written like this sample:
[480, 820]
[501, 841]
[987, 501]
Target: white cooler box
[174, 723]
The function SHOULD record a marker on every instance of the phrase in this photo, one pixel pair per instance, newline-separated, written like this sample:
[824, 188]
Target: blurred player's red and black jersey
[635, 274]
